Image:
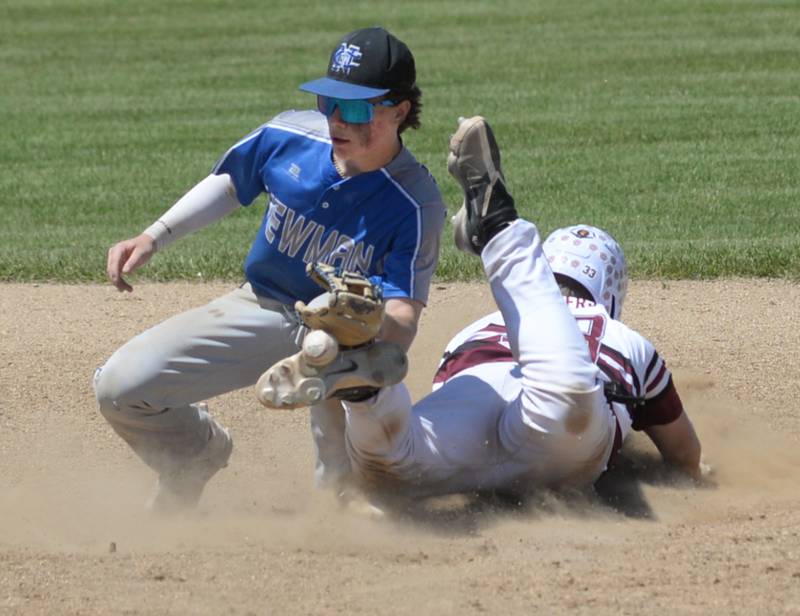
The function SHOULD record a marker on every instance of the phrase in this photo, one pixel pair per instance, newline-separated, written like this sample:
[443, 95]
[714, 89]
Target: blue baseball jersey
[385, 223]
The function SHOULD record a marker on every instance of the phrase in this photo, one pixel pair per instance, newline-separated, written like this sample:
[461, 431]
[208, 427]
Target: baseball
[320, 348]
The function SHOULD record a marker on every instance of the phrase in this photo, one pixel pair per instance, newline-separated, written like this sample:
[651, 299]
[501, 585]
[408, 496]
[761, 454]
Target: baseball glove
[351, 309]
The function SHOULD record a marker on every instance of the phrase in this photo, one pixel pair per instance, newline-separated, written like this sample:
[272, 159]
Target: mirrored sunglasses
[357, 111]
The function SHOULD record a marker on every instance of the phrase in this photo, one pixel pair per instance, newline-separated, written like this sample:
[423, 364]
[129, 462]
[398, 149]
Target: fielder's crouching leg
[166, 439]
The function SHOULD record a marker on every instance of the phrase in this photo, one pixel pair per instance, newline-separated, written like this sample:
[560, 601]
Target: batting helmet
[592, 258]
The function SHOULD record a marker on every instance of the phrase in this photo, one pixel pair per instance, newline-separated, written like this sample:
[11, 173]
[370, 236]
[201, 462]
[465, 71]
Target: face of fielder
[372, 145]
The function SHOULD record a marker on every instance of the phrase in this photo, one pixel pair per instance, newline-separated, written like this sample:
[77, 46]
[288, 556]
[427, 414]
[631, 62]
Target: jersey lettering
[614, 365]
[593, 328]
[578, 302]
[292, 232]
[361, 258]
[315, 252]
[341, 254]
[276, 211]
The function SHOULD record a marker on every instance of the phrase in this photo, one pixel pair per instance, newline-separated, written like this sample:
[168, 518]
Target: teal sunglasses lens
[351, 111]
[356, 111]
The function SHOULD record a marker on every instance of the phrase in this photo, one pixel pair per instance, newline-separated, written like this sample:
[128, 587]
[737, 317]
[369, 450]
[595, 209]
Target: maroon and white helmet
[593, 258]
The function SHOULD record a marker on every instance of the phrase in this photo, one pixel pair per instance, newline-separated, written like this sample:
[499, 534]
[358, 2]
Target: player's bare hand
[126, 256]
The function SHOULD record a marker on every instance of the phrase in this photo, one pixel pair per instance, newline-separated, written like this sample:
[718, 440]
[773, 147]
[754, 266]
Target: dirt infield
[74, 538]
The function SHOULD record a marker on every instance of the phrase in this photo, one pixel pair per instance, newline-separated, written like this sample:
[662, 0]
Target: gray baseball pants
[150, 389]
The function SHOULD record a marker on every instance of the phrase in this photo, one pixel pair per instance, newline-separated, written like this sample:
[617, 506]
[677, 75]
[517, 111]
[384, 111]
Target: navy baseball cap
[366, 63]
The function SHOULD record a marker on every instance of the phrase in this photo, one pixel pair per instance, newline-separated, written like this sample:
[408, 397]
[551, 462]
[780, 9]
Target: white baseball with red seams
[319, 348]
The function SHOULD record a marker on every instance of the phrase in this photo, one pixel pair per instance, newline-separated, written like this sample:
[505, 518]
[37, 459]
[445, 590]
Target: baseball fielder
[342, 190]
[542, 392]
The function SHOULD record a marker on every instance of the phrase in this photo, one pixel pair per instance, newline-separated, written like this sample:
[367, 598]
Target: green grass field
[673, 124]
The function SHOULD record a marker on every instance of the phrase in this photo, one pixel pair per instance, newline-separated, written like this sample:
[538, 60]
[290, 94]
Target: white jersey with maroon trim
[629, 365]
[539, 421]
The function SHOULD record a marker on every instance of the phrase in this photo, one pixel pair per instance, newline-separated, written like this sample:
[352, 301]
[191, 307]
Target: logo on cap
[582, 233]
[346, 58]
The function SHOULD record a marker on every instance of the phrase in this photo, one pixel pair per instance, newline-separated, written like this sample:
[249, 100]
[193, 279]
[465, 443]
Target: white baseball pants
[541, 421]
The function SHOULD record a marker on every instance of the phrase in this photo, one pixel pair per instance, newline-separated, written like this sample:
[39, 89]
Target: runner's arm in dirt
[676, 440]
[211, 199]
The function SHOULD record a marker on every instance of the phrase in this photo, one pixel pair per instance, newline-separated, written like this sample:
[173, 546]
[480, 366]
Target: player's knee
[562, 412]
[103, 390]
[580, 410]
[110, 391]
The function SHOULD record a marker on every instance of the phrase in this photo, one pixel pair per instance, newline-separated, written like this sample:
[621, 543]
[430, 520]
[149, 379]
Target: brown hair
[413, 96]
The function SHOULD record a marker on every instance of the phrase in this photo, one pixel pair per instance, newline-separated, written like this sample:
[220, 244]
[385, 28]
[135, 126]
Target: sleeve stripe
[616, 375]
[249, 137]
[650, 366]
[412, 285]
[612, 355]
[658, 380]
[659, 388]
[298, 131]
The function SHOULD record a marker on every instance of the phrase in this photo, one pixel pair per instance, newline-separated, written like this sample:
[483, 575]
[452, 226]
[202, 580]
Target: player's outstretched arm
[678, 444]
[207, 202]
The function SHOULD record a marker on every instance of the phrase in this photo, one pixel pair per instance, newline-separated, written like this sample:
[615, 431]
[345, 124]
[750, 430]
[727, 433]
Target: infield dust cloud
[88, 510]
[264, 536]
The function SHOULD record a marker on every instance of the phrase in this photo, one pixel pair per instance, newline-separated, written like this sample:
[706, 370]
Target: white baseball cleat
[311, 376]
[180, 489]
